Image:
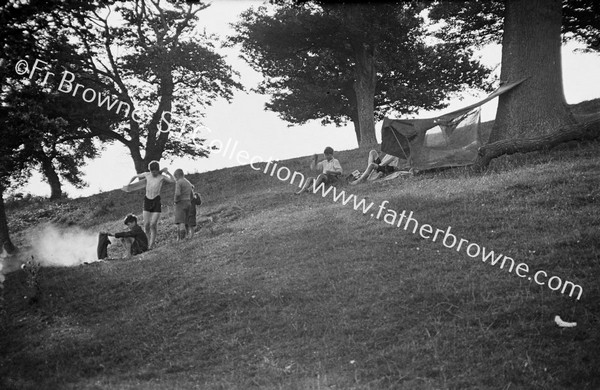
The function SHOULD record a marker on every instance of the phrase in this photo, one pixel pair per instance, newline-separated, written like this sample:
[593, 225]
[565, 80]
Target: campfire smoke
[54, 246]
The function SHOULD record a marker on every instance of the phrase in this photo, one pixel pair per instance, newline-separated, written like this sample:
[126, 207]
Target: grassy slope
[301, 292]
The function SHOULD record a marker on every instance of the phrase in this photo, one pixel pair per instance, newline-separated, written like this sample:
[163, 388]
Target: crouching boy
[134, 240]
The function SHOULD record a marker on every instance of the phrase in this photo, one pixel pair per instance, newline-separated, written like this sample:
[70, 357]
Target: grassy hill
[300, 292]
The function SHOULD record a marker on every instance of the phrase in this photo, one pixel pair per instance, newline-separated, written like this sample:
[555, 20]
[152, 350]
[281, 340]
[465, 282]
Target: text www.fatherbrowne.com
[449, 240]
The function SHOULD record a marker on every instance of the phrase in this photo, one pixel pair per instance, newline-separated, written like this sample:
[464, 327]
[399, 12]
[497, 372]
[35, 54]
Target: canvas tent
[450, 140]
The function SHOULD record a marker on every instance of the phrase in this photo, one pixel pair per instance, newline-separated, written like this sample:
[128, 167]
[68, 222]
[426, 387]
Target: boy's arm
[168, 177]
[140, 176]
[338, 167]
[314, 164]
[123, 234]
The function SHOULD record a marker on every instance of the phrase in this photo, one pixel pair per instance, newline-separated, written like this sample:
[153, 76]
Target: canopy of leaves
[157, 62]
[38, 125]
[481, 21]
[306, 53]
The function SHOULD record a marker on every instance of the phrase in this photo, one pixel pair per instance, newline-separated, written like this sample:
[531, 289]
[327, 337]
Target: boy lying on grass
[134, 240]
[383, 166]
[332, 170]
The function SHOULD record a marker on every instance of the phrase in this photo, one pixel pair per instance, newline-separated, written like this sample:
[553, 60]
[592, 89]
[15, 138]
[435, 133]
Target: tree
[30, 36]
[350, 62]
[16, 154]
[19, 130]
[58, 151]
[531, 40]
[532, 50]
[164, 77]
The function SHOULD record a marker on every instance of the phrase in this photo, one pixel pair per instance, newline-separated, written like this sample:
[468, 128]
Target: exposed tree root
[586, 130]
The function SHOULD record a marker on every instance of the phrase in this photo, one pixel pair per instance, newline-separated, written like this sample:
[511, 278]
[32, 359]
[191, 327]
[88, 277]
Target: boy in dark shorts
[134, 240]
[383, 166]
[152, 206]
[332, 170]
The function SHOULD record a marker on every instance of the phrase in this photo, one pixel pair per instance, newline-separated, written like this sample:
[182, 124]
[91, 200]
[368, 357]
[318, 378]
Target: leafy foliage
[160, 66]
[307, 53]
[481, 22]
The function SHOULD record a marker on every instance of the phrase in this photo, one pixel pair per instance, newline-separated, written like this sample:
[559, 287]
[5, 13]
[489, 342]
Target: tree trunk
[160, 124]
[365, 79]
[348, 91]
[357, 130]
[5, 241]
[356, 123]
[52, 177]
[531, 46]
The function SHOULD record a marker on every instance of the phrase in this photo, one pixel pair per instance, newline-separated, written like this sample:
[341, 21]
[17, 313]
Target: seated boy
[134, 240]
[383, 166]
[331, 168]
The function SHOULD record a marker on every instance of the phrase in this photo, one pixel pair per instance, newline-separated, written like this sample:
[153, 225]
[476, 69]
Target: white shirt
[333, 165]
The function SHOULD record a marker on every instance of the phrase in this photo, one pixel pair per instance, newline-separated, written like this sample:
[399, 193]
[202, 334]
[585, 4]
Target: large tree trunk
[160, 124]
[357, 130]
[5, 241]
[51, 176]
[365, 79]
[356, 123]
[348, 91]
[138, 161]
[531, 48]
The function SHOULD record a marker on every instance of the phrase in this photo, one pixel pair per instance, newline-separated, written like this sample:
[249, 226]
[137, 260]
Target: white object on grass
[564, 324]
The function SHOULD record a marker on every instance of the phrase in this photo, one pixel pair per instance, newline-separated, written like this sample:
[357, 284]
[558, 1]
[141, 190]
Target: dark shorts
[386, 169]
[185, 212]
[152, 205]
[136, 248]
[330, 179]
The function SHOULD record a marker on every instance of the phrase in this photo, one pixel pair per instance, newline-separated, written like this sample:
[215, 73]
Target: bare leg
[365, 175]
[190, 231]
[181, 230]
[147, 217]
[373, 155]
[127, 242]
[306, 185]
[320, 179]
[154, 217]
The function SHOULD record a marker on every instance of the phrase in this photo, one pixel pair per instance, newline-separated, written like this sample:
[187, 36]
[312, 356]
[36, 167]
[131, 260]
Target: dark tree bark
[531, 46]
[5, 241]
[356, 129]
[52, 177]
[364, 87]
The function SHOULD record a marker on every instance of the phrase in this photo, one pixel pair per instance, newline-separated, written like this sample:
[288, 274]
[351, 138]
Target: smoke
[66, 247]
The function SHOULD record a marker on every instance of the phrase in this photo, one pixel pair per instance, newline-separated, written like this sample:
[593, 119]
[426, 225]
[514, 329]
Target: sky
[260, 133]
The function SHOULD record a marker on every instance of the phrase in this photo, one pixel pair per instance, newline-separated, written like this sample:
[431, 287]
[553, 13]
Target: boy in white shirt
[331, 171]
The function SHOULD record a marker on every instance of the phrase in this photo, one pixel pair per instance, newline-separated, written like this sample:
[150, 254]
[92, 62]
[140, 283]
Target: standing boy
[331, 168]
[185, 211]
[152, 206]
